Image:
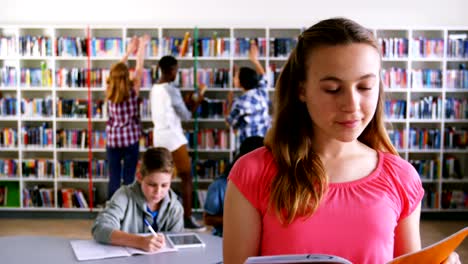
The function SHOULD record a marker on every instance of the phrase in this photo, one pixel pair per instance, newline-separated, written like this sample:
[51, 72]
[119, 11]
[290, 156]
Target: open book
[299, 258]
[90, 249]
[435, 253]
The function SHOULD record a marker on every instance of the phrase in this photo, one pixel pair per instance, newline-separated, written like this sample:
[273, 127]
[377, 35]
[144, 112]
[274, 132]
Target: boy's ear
[138, 177]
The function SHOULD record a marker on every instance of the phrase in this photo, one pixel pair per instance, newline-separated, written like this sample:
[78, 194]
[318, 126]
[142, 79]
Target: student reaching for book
[148, 200]
[249, 113]
[168, 109]
[328, 180]
[123, 127]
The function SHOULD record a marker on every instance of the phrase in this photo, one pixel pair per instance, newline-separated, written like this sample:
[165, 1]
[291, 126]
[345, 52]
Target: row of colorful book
[281, 47]
[40, 137]
[8, 137]
[35, 45]
[427, 47]
[30, 45]
[393, 47]
[37, 107]
[394, 77]
[428, 107]
[395, 109]
[210, 169]
[8, 76]
[211, 77]
[78, 138]
[8, 167]
[78, 77]
[8, 46]
[429, 169]
[426, 78]
[45, 168]
[209, 138]
[78, 108]
[456, 108]
[456, 138]
[457, 78]
[79, 169]
[457, 46]
[43, 196]
[152, 48]
[36, 77]
[8, 106]
[38, 168]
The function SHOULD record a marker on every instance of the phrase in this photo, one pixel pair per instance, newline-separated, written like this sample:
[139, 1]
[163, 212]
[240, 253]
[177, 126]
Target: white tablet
[185, 240]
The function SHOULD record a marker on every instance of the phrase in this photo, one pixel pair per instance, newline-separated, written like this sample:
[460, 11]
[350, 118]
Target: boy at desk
[148, 201]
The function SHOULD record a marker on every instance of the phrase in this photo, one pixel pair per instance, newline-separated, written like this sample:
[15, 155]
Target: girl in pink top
[329, 180]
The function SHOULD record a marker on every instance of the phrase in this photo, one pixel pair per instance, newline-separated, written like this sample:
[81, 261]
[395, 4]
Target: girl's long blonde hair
[301, 182]
[118, 83]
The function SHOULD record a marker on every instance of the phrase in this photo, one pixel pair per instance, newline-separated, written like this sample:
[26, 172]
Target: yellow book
[184, 45]
[435, 253]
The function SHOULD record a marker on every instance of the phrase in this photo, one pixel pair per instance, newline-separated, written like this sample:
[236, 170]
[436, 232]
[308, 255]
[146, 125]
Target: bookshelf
[424, 71]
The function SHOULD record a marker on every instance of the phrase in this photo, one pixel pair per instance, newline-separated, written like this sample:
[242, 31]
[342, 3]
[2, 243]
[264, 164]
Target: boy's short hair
[248, 78]
[250, 144]
[167, 63]
[156, 160]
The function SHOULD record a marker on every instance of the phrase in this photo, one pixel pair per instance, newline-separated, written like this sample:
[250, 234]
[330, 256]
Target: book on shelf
[3, 195]
[184, 46]
[435, 253]
[90, 249]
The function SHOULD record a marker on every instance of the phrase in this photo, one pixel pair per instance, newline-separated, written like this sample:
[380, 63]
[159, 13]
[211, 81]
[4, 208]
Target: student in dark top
[215, 197]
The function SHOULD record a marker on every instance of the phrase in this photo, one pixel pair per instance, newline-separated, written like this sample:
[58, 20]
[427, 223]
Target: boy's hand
[152, 243]
[230, 97]
[202, 88]
[253, 54]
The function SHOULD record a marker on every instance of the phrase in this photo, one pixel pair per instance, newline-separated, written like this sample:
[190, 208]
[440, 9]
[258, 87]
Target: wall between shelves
[236, 13]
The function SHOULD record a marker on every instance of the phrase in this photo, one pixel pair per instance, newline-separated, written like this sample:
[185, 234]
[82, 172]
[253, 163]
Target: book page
[435, 253]
[90, 249]
[297, 258]
[135, 251]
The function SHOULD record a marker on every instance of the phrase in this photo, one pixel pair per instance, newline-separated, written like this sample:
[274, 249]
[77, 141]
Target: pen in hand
[151, 228]
[156, 242]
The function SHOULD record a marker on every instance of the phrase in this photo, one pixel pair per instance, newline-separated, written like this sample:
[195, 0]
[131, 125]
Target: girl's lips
[349, 123]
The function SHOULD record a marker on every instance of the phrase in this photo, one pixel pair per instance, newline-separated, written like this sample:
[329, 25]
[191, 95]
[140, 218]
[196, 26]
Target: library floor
[431, 230]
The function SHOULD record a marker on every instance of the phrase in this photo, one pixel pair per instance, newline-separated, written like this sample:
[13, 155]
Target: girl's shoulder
[257, 158]
[254, 168]
[395, 162]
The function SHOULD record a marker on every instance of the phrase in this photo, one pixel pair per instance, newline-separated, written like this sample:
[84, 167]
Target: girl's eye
[331, 91]
[365, 88]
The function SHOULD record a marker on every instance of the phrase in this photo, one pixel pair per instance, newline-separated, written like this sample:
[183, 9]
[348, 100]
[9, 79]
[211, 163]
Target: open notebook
[435, 253]
[90, 249]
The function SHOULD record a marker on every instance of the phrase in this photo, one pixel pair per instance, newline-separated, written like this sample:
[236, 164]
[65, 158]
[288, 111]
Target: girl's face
[155, 187]
[342, 90]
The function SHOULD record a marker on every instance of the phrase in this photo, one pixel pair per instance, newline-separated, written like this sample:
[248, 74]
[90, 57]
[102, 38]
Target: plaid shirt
[249, 113]
[123, 127]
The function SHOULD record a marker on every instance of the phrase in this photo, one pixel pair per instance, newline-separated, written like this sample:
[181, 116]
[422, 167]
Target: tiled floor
[431, 231]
